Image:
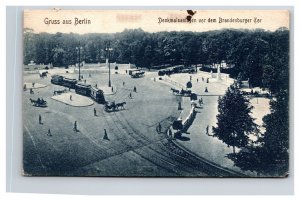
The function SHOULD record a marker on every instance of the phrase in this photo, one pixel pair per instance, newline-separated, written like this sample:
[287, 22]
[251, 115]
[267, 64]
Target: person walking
[105, 137]
[159, 128]
[207, 130]
[123, 83]
[75, 126]
[130, 96]
[40, 119]
[170, 133]
[95, 112]
[134, 89]
[49, 132]
[70, 97]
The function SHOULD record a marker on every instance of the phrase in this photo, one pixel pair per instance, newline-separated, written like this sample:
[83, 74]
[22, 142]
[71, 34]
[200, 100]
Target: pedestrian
[75, 126]
[126, 71]
[170, 133]
[95, 112]
[202, 79]
[207, 130]
[84, 81]
[96, 85]
[197, 80]
[190, 78]
[105, 137]
[134, 89]
[206, 90]
[179, 106]
[33, 84]
[40, 119]
[159, 128]
[70, 97]
[123, 83]
[49, 132]
[69, 89]
[130, 96]
[207, 81]
[112, 89]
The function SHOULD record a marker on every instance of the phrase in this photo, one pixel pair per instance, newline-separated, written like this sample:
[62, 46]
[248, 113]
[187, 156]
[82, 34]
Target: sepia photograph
[156, 93]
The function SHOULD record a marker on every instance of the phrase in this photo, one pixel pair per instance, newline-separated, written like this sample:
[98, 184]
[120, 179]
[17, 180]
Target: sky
[112, 21]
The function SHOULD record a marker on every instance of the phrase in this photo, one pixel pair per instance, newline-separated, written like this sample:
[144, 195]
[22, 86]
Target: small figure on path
[207, 130]
[207, 80]
[49, 132]
[170, 133]
[159, 128]
[206, 90]
[70, 97]
[33, 84]
[134, 89]
[90, 75]
[24, 87]
[130, 96]
[197, 80]
[202, 79]
[190, 78]
[96, 85]
[126, 71]
[112, 89]
[75, 126]
[85, 81]
[95, 112]
[179, 106]
[123, 83]
[31, 91]
[40, 119]
[105, 137]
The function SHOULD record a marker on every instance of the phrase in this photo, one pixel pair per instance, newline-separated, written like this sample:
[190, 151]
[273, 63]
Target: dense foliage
[234, 121]
[251, 51]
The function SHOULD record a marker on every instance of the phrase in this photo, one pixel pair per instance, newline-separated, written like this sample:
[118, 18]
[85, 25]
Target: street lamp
[108, 50]
[78, 49]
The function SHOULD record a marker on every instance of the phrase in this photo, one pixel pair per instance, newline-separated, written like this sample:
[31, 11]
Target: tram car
[83, 89]
[70, 83]
[57, 79]
[97, 95]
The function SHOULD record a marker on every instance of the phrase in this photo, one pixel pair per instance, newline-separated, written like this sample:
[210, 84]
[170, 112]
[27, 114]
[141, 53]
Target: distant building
[31, 63]
[245, 84]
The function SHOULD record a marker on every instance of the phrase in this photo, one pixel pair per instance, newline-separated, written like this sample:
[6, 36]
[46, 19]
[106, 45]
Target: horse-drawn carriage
[39, 102]
[112, 106]
[181, 92]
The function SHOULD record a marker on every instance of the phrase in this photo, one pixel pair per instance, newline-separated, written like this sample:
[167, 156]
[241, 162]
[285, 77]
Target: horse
[174, 90]
[59, 92]
[32, 101]
[121, 105]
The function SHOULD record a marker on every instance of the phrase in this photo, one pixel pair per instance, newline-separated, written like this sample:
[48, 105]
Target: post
[109, 82]
[79, 64]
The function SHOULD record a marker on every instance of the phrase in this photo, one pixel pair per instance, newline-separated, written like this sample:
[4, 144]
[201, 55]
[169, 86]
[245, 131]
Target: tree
[234, 121]
[269, 155]
[275, 141]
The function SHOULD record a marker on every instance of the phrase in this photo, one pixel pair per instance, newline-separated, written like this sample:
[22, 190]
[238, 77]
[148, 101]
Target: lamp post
[78, 49]
[108, 50]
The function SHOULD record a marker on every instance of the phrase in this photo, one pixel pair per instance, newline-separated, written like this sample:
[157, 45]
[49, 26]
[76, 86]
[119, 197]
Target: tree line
[261, 56]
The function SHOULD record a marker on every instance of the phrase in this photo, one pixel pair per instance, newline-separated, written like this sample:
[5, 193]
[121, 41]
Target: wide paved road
[134, 147]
